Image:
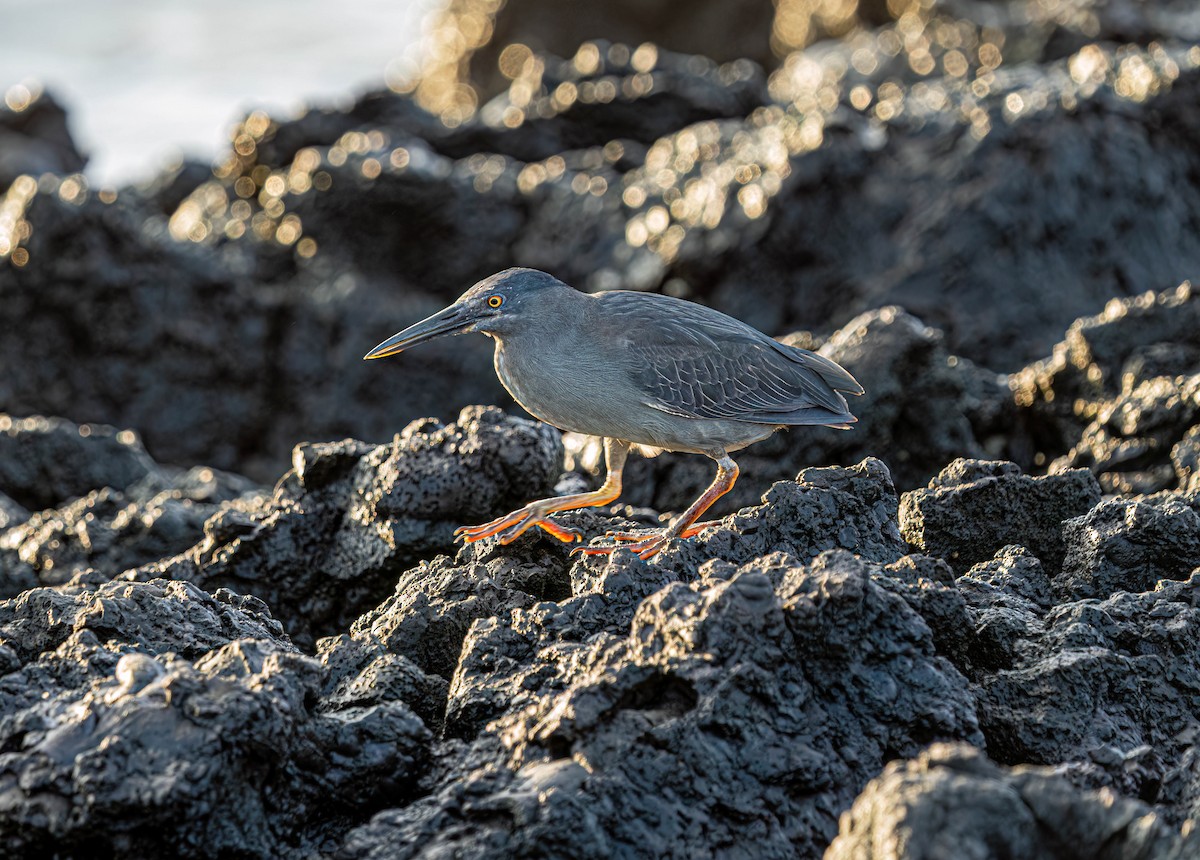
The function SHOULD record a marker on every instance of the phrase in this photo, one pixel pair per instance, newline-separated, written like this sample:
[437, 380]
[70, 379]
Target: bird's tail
[835, 376]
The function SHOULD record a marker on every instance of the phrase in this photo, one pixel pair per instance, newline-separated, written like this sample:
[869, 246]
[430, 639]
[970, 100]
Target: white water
[145, 81]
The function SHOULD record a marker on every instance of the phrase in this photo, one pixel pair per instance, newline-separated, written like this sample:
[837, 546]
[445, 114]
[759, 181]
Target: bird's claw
[645, 546]
[508, 528]
[626, 537]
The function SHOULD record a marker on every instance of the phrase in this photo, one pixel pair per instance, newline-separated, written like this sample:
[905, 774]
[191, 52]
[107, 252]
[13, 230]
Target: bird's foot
[645, 544]
[511, 526]
[695, 528]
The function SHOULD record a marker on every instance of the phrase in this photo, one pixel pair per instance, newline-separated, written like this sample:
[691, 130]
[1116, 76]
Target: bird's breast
[556, 387]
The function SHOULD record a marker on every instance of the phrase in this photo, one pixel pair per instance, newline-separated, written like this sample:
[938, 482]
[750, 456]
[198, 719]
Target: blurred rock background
[993, 171]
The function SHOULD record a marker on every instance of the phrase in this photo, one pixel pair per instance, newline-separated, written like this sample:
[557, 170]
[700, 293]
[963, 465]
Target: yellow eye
[495, 301]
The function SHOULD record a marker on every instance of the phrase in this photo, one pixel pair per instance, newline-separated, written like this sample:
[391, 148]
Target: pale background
[145, 81]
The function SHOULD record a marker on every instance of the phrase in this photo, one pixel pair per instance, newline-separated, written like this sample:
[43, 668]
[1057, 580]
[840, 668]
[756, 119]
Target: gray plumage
[704, 364]
[640, 369]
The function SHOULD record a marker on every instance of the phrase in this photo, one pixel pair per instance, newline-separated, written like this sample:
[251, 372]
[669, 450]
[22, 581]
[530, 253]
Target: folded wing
[699, 363]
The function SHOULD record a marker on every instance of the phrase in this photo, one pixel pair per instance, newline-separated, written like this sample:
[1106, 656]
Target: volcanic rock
[108, 507]
[952, 801]
[788, 663]
[1129, 545]
[1133, 340]
[1130, 662]
[350, 517]
[34, 136]
[1186, 458]
[141, 717]
[47, 461]
[946, 519]
[1128, 442]
[191, 664]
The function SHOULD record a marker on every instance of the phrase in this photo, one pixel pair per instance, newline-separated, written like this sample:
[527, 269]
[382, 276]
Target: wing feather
[695, 362]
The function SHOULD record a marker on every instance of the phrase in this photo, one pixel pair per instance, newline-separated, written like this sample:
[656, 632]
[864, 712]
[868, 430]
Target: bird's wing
[695, 362]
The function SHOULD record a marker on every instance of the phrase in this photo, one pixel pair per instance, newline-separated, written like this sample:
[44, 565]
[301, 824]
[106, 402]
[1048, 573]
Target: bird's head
[496, 305]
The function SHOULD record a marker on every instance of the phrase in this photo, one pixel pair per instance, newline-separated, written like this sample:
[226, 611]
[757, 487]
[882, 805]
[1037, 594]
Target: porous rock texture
[749, 702]
[88, 500]
[349, 517]
[735, 695]
[973, 508]
[154, 719]
[968, 627]
[1131, 544]
[952, 802]
[1119, 393]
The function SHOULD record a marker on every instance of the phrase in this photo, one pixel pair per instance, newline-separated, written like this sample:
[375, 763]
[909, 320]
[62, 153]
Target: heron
[643, 372]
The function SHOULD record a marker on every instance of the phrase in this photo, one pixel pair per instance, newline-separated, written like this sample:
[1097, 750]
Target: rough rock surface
[350, 517]
[743, 688]
[102, 505]
[824, 508]
[1119, 394]
[1129, 662]
[1185, 457]
[1128, 441]
[766, 686]
[952, 802]
[948, 518]
[47, 461]
[1129, 545]
[152, 718]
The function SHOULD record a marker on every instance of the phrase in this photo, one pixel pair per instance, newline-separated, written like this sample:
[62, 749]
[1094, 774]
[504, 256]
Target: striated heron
[641, 371]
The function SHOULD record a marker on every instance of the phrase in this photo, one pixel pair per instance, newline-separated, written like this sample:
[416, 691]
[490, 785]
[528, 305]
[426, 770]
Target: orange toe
[512, 526]
[695, 529]
[470, 534]
[645, 545]
[563, 533]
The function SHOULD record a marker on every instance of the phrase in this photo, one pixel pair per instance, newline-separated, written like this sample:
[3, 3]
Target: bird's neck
[533, 360]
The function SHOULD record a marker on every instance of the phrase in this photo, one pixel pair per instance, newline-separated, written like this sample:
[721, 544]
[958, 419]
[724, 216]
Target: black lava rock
[47, 461]
[1129, 545]
[1131, 662]
[193, 664]
[952, 800]
[350, 517]
[34, 136]
[944, 519]
[152, 718]
[647, 749]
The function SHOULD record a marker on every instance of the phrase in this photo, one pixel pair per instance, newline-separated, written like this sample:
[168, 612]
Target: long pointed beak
[451, 320]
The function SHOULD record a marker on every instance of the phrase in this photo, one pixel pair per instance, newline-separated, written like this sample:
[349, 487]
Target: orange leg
[684, 526]
[511, 526]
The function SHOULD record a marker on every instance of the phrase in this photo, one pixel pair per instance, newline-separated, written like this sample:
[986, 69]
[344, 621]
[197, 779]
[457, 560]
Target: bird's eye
[495, 301]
